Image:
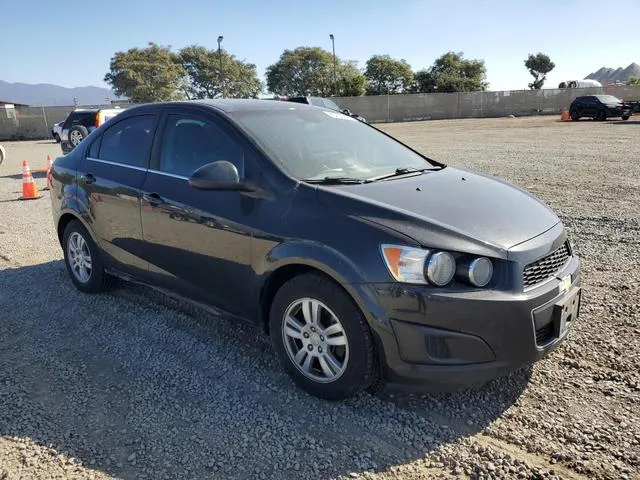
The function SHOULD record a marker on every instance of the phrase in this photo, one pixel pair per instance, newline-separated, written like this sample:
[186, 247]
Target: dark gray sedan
[365, 261]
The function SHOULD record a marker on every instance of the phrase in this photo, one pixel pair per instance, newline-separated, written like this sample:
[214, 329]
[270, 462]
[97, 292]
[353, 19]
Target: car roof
[229, 105]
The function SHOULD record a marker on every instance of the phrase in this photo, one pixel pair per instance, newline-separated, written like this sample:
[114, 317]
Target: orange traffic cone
[564, 116]
[29, 188]
[49, 166]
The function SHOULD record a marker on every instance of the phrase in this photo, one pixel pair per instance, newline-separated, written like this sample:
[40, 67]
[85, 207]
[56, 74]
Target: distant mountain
[612, 75]
[53, 95]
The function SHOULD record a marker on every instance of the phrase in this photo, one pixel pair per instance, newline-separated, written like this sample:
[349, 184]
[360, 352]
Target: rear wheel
[574, 116]
[2, 154]
[601, 116]
[56, 137]
[322, 338]
[625, 117]
[82, 259]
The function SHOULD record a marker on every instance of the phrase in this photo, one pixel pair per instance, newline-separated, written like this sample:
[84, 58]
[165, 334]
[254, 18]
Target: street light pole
[220, 38]
[333, 46]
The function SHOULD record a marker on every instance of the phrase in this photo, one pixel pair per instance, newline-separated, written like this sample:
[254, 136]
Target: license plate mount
[566, 311]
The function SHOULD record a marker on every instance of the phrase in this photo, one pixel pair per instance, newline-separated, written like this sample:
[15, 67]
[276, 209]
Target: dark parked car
[599, 107]
[364, 260]
[325, 103]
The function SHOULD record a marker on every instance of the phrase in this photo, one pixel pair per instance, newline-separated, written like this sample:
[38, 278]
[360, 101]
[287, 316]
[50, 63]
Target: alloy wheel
[315, 340]
[79, 257]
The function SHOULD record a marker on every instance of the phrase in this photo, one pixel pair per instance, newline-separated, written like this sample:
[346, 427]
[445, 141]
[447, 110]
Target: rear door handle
[153, 199]
[88, 178]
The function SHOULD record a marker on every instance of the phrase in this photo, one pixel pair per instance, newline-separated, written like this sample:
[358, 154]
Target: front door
[109, 182]
[197, 242]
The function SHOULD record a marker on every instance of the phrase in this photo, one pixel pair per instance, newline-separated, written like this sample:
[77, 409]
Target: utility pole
[335, 82]
[221, 79]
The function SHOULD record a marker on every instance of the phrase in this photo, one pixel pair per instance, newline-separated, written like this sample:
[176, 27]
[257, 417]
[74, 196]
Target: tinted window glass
[190, 142]
[314, 144]
[317, 102]
[128, 141]
[87, 119]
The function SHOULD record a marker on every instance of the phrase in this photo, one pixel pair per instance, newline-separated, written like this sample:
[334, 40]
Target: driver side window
[190, 142]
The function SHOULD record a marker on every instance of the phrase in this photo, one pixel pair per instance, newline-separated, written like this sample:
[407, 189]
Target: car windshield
[608, 99]
[315, 144]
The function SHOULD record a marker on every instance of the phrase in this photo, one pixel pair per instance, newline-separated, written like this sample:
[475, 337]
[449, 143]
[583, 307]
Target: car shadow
[625, 122]
[135, 383]
[37, 175]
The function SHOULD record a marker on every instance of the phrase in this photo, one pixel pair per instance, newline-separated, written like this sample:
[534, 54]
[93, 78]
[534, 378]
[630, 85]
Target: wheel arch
[293, 259]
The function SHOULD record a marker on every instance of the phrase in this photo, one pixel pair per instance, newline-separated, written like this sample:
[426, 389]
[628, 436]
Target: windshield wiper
[334, 180]
[401, 171]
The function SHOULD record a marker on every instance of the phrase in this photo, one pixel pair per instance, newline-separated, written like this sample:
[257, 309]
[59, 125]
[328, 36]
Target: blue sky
[71, 44]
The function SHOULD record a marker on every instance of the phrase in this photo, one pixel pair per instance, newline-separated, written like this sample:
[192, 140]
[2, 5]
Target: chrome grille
[546, 267]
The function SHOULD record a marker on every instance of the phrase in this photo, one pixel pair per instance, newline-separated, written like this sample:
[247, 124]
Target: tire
[2, 154]
[625, 117]
[575, 116]
[56, 137]
[96, 280]
[77, 133]
[356, 357]
[601, 116]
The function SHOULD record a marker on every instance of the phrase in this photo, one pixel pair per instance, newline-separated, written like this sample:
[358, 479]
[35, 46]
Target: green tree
[150, 74]
[538, 65]
[309, 71]
[451, 72]
[387, 75]
[351, 83]
[211, 74]
[632, 80]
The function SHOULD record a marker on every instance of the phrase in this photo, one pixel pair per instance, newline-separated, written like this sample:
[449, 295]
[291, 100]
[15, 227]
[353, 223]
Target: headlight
[441, 267]
[480, 271]
[406, 264]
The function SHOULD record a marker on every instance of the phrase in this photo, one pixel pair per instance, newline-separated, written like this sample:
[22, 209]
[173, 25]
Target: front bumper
[619, 112]
[450, 339]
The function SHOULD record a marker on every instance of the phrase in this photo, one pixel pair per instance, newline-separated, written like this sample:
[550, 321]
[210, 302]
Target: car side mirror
[220, 175]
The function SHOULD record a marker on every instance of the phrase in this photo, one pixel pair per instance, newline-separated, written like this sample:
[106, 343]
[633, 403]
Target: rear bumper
[451, 340]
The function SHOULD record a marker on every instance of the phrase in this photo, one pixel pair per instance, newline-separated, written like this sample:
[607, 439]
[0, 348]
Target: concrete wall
[36, 122]
[33, 123]
[424, 106]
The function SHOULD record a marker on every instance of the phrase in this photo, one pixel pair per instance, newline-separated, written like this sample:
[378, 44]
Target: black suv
[325, 103]
[599, 107]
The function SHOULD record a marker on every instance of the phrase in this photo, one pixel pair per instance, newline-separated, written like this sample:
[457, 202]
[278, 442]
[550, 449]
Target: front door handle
[88, 178]
[153, 199]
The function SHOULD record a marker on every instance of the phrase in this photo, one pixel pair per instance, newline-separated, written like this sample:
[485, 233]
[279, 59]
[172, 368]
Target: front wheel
[82, 259]
[322, 338]
[56, 137]
[575, 116]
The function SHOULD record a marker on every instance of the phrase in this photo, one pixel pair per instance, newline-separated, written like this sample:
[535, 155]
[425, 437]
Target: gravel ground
[133, 384]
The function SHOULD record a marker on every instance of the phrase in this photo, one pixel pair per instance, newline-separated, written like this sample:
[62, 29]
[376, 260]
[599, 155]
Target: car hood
[431, 208]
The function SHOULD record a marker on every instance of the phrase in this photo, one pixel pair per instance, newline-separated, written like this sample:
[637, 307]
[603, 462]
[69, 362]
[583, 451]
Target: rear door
[197, 241]
[110, 179]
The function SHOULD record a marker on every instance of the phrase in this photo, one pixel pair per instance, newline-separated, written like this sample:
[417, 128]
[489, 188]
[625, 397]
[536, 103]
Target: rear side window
[190, 142]
[317, 102]
[128, 142]
[87, 119]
